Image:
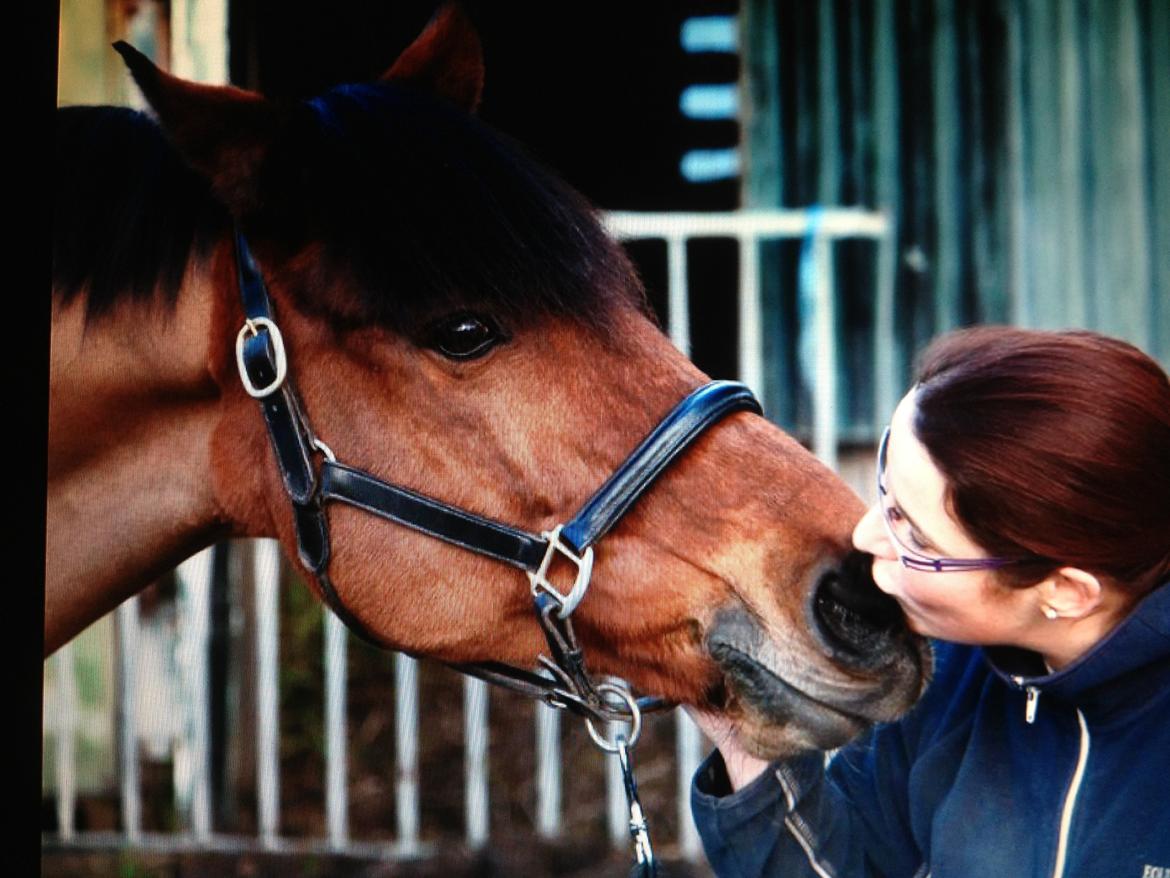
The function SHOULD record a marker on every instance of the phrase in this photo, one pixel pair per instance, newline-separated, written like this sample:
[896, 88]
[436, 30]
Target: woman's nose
[870, 534]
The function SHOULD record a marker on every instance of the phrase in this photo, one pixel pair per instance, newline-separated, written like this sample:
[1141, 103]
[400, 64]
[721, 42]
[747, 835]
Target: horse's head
[458, 323]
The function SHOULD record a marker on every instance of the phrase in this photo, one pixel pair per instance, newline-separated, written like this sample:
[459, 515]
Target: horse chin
[764, 739]
[783, 706]
[775, 719]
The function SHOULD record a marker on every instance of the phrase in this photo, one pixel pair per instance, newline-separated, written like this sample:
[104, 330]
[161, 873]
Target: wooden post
[761, 187]
[1069, 163]
[888, 348]
[948, 134]
[1119, 239]
[1016, 169]
[761, 165]
[1157, 32]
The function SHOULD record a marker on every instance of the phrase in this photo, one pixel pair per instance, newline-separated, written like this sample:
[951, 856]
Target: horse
[459, 326]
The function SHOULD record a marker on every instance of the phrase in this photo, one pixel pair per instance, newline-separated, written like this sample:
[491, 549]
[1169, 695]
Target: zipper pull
[1033, 701]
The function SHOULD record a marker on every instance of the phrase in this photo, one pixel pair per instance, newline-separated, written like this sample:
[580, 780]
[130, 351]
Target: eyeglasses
[896, 521]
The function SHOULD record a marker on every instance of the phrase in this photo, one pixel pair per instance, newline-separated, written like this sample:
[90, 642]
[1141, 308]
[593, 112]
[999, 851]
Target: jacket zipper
[1032, 702]
[798, 829]
[1031, 705]
[1070, 799]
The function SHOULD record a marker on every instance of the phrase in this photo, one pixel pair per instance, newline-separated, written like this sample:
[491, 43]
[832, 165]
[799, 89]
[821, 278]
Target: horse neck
[132, 406]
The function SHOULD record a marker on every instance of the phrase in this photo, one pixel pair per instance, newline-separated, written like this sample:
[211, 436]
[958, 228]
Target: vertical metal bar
[266, 567]
[688, 755]
[751, 332]
[475, 723]
[825, 330]
[65, 761]
[887, 350]
[127, 627]
[548, 771]
[406, 751]
[192, 774]
[678, 297]
[616, 810]
[336, 800]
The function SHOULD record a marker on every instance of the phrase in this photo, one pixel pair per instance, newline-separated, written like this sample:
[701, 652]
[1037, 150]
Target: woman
[1023, 519]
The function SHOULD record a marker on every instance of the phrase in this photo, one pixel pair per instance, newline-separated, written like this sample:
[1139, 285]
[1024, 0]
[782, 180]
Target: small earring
[1050, 613]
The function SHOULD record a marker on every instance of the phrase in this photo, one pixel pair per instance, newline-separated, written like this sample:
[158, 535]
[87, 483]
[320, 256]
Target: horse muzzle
[859, 664]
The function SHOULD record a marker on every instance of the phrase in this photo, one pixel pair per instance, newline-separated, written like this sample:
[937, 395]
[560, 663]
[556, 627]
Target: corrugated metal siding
[1022, 150]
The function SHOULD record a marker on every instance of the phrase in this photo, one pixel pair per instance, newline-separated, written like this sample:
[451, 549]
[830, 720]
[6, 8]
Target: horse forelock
[427, 209]
[412, 206]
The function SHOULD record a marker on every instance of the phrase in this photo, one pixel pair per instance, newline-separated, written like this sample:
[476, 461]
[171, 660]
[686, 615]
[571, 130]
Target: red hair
[1055, 447]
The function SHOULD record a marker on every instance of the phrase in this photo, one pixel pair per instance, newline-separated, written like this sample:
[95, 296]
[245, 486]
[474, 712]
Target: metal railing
[818, 228]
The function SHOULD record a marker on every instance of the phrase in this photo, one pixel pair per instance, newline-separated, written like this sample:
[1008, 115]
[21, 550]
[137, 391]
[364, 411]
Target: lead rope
[645, 865]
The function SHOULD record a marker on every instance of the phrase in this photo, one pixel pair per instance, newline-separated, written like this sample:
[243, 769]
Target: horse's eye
[465, 336]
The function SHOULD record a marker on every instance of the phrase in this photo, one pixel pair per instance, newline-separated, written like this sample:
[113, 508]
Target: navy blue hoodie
[1000, 771]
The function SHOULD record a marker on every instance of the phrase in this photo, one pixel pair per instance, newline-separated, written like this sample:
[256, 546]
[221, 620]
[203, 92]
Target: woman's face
[966, 606]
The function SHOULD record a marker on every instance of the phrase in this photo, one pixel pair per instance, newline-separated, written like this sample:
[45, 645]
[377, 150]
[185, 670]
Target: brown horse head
[458, 323]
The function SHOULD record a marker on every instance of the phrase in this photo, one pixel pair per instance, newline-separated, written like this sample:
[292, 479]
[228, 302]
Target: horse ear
[222, 131]
[446, 59]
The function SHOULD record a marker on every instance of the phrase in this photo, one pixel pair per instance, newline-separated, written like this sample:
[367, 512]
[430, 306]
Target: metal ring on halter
[635, 718]
[324, 449]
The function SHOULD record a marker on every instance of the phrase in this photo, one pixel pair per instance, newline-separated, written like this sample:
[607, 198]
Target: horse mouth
[781, 703]
[787, 699]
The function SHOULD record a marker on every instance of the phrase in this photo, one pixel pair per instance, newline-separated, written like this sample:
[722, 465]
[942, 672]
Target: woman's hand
[742, 767]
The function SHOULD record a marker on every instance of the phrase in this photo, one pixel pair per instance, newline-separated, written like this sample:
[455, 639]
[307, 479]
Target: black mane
[422, 207]
[128, 212]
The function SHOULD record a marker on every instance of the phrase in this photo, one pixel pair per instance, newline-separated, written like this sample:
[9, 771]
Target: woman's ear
[1070, 593]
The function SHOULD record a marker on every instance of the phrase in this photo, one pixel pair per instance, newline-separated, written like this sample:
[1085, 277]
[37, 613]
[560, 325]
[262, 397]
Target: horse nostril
[852, 614]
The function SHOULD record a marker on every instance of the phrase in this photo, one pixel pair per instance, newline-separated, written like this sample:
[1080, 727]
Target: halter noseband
[262, 362]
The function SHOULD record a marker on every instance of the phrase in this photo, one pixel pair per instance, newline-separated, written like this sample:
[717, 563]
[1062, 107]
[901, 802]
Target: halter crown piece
[263, 365]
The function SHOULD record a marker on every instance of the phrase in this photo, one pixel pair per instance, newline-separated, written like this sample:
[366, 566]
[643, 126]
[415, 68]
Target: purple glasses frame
[912, 559]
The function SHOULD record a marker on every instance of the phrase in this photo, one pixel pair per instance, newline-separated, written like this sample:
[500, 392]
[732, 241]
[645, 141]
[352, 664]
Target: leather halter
[263, 366]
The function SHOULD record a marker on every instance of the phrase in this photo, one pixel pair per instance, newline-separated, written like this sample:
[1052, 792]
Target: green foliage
[91, 687]
[130, 866]
[302, 683]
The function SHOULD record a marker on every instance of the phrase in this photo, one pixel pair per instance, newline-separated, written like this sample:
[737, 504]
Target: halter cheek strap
[262, 363]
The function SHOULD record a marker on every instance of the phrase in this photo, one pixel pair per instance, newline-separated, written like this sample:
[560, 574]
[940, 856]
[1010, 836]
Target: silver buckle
[539, 579]
[254, 325]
